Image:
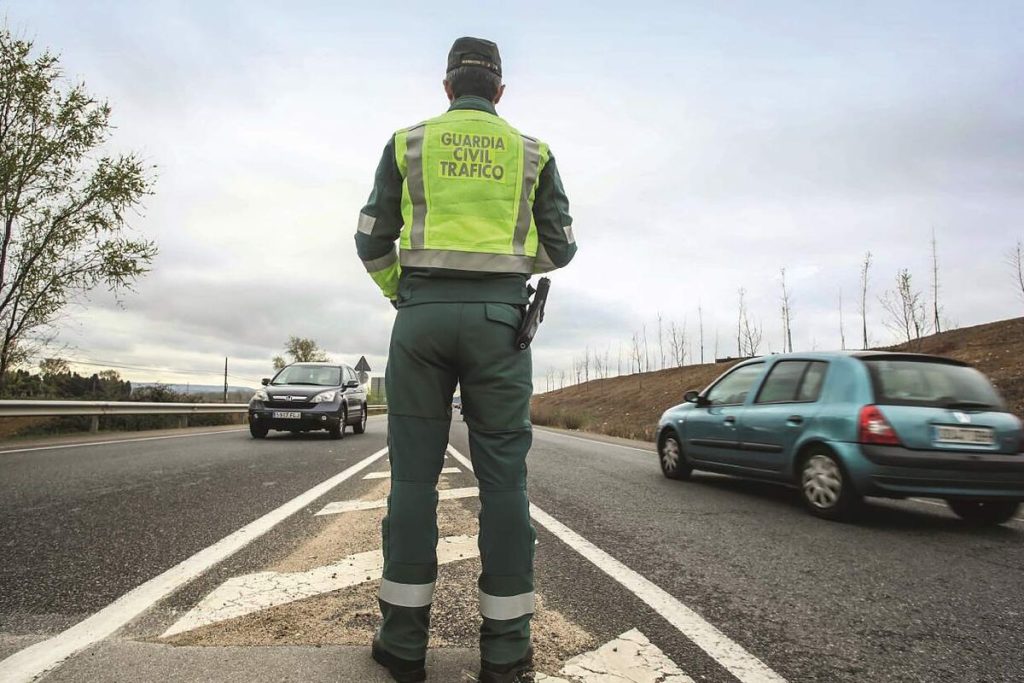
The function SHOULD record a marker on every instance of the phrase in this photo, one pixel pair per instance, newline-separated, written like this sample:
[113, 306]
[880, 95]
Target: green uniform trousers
[435, 346]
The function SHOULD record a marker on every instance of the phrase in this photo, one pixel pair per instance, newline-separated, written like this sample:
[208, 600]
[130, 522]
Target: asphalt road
[906, 594]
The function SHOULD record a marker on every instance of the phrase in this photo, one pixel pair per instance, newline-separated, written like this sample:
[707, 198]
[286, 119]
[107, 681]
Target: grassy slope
[630, 406]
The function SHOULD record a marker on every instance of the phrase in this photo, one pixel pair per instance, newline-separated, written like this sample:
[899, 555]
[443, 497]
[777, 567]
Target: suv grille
[274, 403]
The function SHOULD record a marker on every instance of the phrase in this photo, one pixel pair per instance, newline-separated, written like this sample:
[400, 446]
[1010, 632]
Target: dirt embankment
[630, 406]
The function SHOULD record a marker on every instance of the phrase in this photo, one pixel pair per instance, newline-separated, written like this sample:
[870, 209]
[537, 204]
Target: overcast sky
[703, 145]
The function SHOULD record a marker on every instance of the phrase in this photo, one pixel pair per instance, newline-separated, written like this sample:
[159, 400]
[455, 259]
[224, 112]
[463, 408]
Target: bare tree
[716, 344]
[904, 308]
[661, 343]
[638, 356]
[1015, 259]
[618, 366]
[677, 339]
[647, 354]
[935, 284]
[739, 323]
[753, 335]
[842, 328]
[787, 315]
[865, 267]
[700, 322]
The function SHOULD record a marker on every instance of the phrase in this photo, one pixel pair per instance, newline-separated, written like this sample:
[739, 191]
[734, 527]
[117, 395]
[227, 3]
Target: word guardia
[471, 156]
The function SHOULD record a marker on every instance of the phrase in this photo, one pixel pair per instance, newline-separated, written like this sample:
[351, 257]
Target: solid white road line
[387, 474]
[241, 595]
[104, 443]
[737, 661]
[354, 505]
[33, 661]
[595, 441]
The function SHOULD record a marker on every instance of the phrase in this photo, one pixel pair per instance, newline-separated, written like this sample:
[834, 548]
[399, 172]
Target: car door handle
[795, 419]
[729, 420]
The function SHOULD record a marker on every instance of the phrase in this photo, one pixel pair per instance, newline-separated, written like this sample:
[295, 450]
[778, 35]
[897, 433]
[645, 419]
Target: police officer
[475, 207]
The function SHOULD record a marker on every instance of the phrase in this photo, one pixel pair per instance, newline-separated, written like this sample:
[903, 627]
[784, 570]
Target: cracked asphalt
[908, 593]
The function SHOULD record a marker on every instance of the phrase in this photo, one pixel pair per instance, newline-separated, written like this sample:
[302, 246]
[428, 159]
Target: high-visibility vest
[469, 180]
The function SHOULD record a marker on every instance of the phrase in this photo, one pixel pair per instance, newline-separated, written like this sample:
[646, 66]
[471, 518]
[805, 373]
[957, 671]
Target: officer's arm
[554, 224]
[380, 224]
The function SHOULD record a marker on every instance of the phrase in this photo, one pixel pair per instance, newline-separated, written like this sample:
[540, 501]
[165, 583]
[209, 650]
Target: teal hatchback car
[843, 426]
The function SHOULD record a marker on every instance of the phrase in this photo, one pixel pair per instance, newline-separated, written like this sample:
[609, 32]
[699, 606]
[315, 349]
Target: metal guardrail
[57, 408]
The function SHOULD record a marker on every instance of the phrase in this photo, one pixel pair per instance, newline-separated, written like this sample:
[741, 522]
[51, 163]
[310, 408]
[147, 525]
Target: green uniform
[464, 209]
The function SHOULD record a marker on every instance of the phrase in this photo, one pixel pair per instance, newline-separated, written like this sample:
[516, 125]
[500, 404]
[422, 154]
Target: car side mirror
[265, 381]
[351, 384]
[693, 396]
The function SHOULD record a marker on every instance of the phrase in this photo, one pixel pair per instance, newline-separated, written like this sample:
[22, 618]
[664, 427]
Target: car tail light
[875, 429]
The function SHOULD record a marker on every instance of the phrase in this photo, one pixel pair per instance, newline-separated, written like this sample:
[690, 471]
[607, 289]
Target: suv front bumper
[322, 416]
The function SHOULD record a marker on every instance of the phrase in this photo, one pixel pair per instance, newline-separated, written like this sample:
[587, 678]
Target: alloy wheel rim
[822, 482]
[670, 454]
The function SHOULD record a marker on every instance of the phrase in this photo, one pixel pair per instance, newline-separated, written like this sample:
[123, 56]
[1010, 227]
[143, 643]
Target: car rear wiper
[967, 405]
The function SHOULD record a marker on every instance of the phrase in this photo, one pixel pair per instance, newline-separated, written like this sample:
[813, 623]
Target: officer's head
[474, 68]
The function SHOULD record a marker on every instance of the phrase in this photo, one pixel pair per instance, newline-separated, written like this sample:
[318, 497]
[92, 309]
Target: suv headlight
[260, 395]
[325, 397]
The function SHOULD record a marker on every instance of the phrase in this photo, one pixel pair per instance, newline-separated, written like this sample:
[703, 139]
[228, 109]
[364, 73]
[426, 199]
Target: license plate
[279, 415]
[973, 436]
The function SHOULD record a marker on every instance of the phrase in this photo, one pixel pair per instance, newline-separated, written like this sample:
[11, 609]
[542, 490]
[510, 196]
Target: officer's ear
[448, 90]
[501, 91]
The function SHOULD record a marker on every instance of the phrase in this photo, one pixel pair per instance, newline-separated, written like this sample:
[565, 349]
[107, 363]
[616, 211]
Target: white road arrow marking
[386, 475]
[630, 658]
[354, 505]
[250, 593]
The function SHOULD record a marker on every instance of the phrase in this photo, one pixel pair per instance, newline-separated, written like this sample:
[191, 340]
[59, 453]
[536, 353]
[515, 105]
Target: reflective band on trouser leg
[366, 223]
[467, 260]
[417, 195]
[406, 594]
[531, 165]
[505, 608]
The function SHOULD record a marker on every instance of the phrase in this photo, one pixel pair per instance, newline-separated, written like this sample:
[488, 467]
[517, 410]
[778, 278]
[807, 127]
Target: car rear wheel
[337, 431]
[257, 431]
[984, 512]
[360, 427]
[670, 456]
[825, 489]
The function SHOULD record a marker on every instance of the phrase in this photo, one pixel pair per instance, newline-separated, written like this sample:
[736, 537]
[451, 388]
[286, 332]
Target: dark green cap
[474, 52]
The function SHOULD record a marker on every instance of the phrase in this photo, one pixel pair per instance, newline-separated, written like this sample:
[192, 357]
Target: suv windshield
[932, 383]
[311, 375]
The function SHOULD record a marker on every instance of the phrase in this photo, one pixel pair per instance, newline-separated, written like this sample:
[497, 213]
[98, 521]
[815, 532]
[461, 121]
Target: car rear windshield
[932, 383]
[312, 375]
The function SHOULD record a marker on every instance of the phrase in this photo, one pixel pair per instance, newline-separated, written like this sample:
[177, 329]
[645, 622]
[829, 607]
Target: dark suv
[304, 397]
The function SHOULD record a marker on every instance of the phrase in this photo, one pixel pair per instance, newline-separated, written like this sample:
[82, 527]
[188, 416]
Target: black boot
[402, 670]
[516, 672]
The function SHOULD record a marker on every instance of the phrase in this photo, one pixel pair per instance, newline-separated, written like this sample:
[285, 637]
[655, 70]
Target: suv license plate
[287, 416]
[973, 436]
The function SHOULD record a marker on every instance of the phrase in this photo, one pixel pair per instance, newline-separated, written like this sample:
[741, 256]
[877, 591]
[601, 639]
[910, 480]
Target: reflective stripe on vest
[467, 203]
[504, 608]
[406, 594]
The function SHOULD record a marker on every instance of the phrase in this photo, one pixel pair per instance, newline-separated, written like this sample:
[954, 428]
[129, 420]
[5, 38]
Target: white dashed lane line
[354, 505]
[387, 474]
[28, 664]
[729, 654]
[250, 593]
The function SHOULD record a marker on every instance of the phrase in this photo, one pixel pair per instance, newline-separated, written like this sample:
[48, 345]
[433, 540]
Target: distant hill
[197, 389]
[630, 406]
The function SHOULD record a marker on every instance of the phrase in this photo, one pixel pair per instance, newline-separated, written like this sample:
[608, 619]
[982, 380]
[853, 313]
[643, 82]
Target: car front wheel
[825, 489]
[670, 456]
[360, 427]
[257, 431]
[337, 430]
[984, 512]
